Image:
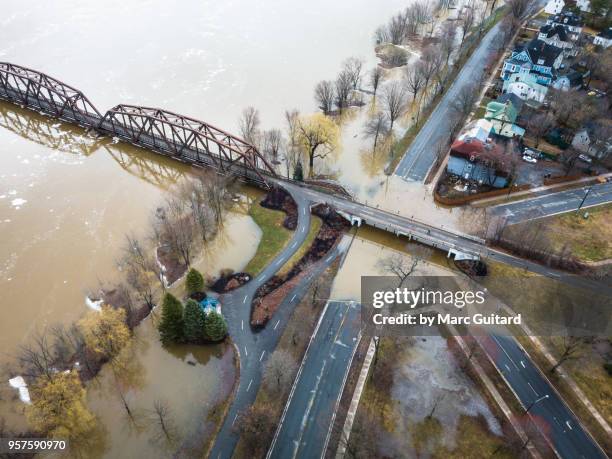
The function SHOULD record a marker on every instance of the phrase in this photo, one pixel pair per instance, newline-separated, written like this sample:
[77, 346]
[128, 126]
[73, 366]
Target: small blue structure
[209, 304]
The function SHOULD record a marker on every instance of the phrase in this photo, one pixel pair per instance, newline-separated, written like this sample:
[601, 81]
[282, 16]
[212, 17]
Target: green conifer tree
[215, 328]
[298, 172]
[171, 324]
[195, 320]
[194, 281]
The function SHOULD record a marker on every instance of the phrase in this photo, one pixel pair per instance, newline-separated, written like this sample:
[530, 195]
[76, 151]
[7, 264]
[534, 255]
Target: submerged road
[550, 412]
[305, 426]
[553, 203]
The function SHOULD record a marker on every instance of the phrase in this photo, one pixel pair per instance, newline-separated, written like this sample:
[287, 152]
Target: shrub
[215, 328]
[194, 281]
[171, 324]
[194, 321]
[608, 367]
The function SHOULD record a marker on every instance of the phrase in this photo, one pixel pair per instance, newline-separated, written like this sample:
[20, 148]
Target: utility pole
[584, 199]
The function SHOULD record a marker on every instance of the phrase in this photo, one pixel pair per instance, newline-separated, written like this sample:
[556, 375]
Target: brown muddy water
[67, 199]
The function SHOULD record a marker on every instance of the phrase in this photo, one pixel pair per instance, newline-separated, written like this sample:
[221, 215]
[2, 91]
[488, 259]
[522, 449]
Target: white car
[585, 158]
[529, 159]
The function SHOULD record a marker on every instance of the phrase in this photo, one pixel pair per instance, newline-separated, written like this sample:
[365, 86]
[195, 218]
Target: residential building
[603, 38]
[558, 35]
[571, 80]
[525, 85]
[554, 6]
[478, 130]
[538, 58]
[475, 171]
[572, 21]
[503, 116]
[585, 141]
[584, 5]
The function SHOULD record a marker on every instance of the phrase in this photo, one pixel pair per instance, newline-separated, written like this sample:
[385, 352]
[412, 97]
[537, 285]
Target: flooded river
[67, 199]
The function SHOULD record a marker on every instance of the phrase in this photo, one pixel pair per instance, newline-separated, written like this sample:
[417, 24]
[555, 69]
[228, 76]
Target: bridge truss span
[41, 92]
[186, 138]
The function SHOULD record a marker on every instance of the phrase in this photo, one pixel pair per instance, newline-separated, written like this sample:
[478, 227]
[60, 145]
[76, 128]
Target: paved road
[537, 396]
[553, 203]
[303, 431]
[255, 347]
[421, 153]
[439, 238]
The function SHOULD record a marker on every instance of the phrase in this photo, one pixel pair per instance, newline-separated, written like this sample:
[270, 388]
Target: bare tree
[37, 359]
[572, 348]
[569, 158]
[161, 417]
[396, 29]
[343, 89]
[376, 76]
[464, 103]
[140, 269]
[292, 152]
[353, 66]
[256, 427]
[272, 143]
[376, 126]
[400, 266]
[430, 63]
[448, 36]
[175, 229]
[393, 102]
[249, 125]
[518, 8]
[539, 126]
[324, 95]
[414, 79]
[467, 21]
[279, 371]
[361, 442]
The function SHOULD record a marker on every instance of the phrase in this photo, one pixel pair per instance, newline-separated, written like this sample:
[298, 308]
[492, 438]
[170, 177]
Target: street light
[536, 401]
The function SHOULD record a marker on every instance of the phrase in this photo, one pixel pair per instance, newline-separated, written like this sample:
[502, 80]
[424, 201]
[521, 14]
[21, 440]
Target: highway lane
[553, 203]
[563, 430]
[306, 421]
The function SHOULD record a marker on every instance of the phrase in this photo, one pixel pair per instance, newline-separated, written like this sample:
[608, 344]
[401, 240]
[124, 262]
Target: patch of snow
[12, 192]
[19, 383]
[96, 305]
[2, 196]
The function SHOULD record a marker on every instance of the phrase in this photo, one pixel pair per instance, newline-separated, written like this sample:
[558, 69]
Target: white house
[584, 5]
[571, 80]
[479, 129]
[572, 21]
[554, 6]
[603, 38]
[525, 85]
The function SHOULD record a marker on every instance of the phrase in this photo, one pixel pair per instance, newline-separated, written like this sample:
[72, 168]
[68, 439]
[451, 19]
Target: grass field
[273, 239]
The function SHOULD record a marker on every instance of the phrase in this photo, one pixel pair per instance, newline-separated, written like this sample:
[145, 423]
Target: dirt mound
[269, 296]
[231, 282]
[279, 199]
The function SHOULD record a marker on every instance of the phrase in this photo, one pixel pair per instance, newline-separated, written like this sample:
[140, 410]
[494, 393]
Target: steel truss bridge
[178, 136]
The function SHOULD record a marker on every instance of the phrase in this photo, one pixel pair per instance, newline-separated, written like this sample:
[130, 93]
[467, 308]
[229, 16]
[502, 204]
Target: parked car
[529, 159]
[585, 158]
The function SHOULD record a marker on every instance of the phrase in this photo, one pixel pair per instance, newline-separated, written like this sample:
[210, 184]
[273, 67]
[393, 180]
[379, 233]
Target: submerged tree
[325, 95]
[215, 328]
[105, 332]
[194, 281]
[195, 321]
[171, 325]
[318, 135]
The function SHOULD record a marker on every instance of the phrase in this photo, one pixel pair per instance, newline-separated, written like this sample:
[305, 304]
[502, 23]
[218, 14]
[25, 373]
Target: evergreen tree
[298, 172]
[215, 328]
[194, 281]
[171, 323]
[194, 322]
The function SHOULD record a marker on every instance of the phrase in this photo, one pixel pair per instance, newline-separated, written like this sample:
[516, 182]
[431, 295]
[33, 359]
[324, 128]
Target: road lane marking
[245, 298]
[534, 391]
[277, 322]
[234, 421]
[262, 355]
[245, 351]
[523, 364]
[249, 386]
[507, 355]
[293, 298]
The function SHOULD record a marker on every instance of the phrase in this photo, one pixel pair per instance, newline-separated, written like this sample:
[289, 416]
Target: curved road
[255, 347]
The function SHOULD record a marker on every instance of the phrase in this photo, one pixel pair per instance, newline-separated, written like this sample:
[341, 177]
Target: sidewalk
[538, 191]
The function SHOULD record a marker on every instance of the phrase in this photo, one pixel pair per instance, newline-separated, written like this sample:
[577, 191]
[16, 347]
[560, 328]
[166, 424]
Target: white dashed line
[277, 322]
[245, 298]
[293, 297]
[249, 386]
[245, 351]
[262, 355]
